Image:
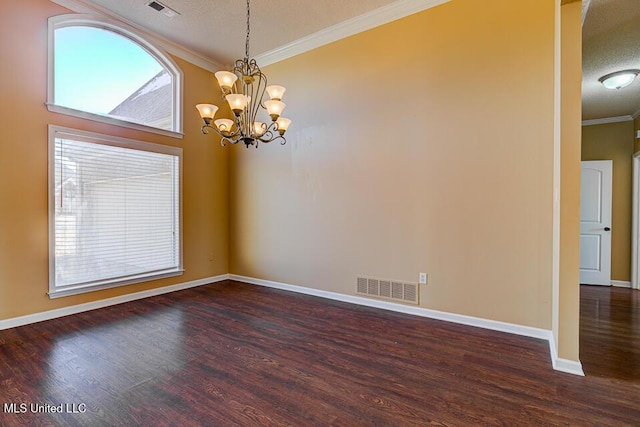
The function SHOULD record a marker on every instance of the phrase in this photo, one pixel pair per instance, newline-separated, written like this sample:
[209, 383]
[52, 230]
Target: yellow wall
[23, 170]
[447, 170]
[571, 111]
[614, 141]
[424, 145]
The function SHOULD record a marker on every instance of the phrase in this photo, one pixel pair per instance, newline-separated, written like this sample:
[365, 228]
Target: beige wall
[460, 186]
[445, 168]
[614, 141]
[571, 111]
[23, 170]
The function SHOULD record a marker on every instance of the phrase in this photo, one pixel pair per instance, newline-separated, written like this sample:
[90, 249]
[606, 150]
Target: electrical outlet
[423, 278]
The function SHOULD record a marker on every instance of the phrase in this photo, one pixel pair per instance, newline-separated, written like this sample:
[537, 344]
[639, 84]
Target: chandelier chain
[244, 89]
[246, 52]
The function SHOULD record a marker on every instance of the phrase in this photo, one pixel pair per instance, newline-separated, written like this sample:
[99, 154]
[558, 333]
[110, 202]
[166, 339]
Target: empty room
[305, 213]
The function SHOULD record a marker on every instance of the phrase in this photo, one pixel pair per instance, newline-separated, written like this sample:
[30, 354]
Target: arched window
[101, 70]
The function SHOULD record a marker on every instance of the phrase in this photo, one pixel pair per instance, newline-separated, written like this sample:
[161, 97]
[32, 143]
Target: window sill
[111, 121]
[65, 291]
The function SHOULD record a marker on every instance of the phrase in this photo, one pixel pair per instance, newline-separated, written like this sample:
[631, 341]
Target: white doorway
[635, 223]
[595, 222]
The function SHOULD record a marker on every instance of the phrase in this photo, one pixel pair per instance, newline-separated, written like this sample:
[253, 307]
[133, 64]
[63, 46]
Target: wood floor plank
[236, 354]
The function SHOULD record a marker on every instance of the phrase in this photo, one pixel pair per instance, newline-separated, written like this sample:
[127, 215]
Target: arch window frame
[129, 33]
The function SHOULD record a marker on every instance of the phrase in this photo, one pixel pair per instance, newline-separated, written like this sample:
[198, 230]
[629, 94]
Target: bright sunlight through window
[114, 211]
[112, 75]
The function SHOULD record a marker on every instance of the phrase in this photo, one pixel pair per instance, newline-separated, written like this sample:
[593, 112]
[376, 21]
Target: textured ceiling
[216, 28]
[610, 42]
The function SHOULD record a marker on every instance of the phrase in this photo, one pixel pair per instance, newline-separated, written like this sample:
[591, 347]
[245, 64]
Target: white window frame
[97, 138]
[72, 20]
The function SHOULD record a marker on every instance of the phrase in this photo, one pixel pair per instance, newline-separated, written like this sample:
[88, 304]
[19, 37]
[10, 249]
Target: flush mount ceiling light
[244, 88]
[619, 79]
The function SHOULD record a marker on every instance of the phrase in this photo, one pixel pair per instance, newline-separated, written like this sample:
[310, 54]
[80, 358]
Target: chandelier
[244, 88]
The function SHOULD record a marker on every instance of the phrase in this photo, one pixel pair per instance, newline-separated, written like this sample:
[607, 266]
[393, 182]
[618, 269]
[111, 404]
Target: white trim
[635, 115]
[563, 365]
[383, 15]
[462, 319]
[84, 6]
[131, 34]
[635, 227]
[585, 9]
[108, 284]
[111, 120]
[102, 139]
[607, 120]
[556, 178]
[621, 283]
[75, 309]
[568, 366]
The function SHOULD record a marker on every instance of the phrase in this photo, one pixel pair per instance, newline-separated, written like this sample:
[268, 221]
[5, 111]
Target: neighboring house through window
[100, 70]
[115, 204]
[114, 211]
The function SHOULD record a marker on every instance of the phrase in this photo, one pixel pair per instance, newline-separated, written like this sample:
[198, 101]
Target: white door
[595, 222]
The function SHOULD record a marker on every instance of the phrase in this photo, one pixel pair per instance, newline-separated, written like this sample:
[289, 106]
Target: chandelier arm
[246, 126]
[226, 139]
[232, 138]
[266, 83]
[259, 94]
[267, 137]
[251, 83]
[284, 141]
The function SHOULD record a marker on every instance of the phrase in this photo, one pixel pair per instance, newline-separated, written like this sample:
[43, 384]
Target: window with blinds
[115, 210]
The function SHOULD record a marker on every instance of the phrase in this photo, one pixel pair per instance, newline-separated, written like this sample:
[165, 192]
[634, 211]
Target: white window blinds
[116, 211]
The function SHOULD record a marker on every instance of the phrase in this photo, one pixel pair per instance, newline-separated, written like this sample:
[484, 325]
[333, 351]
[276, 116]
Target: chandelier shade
[243, 88]
[207, 112]
[276, 92]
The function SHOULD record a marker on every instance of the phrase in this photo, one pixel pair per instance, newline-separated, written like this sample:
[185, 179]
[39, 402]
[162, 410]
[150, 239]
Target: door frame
[606, 205]
[635, 226]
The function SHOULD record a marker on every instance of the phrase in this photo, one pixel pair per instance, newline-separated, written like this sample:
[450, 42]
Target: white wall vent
[404, 292]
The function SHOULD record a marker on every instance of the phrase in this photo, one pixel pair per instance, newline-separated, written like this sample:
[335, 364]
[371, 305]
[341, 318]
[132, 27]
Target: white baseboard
[621, 284]
[562, 365]
[495, 325]
[559, 364]
[568, 366]
[79, 308]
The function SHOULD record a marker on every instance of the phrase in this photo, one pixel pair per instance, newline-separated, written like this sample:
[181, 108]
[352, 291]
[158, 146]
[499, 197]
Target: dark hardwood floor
[610, 332]
[237, 354]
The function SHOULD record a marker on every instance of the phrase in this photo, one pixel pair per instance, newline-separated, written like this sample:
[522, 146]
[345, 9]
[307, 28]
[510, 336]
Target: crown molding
[383, 15]
[85, 6]
[606, 120]
[585, 9]
[635, 115]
